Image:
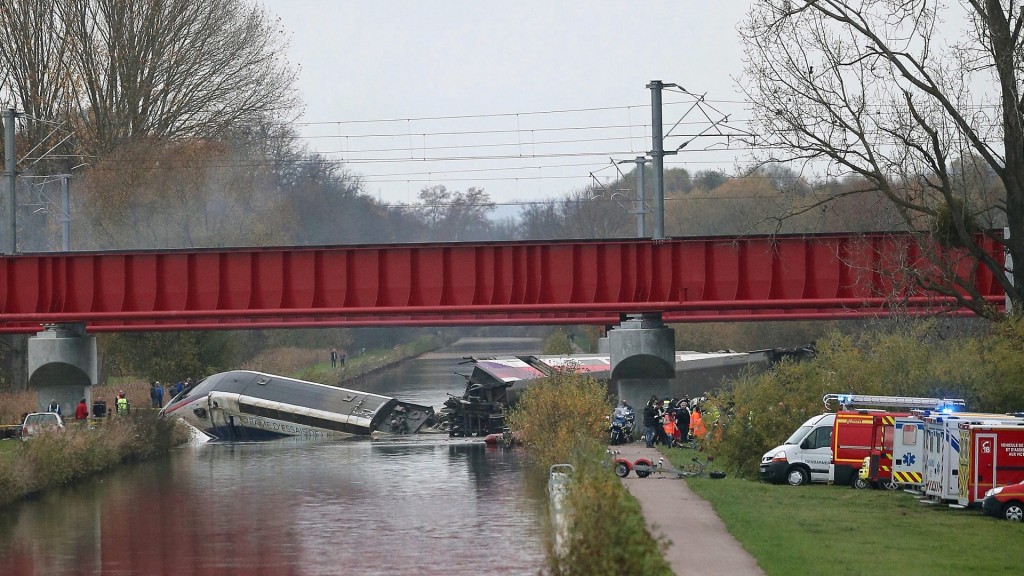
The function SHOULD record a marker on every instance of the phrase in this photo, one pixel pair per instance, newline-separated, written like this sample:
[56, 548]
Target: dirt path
[700, 543]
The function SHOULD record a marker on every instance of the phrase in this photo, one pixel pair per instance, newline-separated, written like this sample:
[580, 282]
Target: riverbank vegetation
[562, 420]
[758, 411]
[314, 364]
[58, 458]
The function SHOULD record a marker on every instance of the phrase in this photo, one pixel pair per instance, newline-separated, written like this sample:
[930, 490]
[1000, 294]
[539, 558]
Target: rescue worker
[53, 407]
[697, 428]
[122, 403]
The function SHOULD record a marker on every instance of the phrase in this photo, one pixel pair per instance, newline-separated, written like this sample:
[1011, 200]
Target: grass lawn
[821, 529]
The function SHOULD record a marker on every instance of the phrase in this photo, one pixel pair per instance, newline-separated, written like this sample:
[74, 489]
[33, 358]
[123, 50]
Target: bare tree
[894, 93]
[33, 63]
[456, 215]
[122, 69]
[174, 68]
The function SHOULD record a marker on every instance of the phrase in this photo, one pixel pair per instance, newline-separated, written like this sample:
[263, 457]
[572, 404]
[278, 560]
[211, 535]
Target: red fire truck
[990, 456]
[863, 439]
[877, 467]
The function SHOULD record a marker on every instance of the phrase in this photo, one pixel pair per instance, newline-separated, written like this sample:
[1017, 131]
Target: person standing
[99, 408]
[159, 395]
[683, 420]
[650, 419]
[82, 410]
[122, 404]
[53, 407]
[341, 358]
[153, 402]
[334, 358]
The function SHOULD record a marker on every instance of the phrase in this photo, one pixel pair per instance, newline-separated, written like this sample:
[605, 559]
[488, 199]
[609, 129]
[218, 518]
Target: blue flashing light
[948, 409]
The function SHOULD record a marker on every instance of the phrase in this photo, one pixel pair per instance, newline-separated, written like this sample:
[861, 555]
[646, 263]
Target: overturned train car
[248, 406]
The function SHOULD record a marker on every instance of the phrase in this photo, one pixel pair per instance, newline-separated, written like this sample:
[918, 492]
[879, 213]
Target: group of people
[156, 391]
[672, 421]
[122, 405]
[337, 357]
[81, 410]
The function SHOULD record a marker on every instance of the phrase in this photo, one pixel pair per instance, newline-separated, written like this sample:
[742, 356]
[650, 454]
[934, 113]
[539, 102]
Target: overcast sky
[491, 95]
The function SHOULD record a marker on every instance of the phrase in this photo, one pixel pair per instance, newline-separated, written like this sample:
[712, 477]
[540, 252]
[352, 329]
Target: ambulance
[990, 456]
[831, 447]
[908, 452]
[941, 481]
[888, 437]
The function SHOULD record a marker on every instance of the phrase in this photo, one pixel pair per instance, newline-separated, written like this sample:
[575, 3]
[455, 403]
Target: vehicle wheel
[1013, 511]
[859, 483]
[888, 485]
[621, 470]
[797, 476]
[643, 474]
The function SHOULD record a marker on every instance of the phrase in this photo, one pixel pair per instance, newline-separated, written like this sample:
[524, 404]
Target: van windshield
[798, 435]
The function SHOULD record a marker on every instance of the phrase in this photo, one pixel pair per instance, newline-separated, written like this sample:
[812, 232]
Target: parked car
[1005, 502]
[38, 422]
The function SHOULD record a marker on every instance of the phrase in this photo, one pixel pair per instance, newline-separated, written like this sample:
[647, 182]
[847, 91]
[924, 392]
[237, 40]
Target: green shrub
[57, 458]
[758, 411]
[561, 419]
[608, 532]
[557, 344]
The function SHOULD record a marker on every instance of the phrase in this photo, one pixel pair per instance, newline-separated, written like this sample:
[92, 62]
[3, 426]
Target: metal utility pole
[641, 211]
[658, 157]
[10, 162]
[65, 213]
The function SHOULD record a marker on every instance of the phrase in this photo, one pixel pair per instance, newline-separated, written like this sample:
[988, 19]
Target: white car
[38, 422]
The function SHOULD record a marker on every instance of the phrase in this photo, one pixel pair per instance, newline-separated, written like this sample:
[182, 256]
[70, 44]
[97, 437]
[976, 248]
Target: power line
[491, 115]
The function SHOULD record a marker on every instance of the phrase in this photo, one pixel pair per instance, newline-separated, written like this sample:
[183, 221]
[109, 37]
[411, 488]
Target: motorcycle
[621, 429]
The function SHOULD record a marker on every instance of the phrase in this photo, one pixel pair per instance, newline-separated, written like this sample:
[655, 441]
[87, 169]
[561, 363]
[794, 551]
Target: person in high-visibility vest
[122, 403]
[697, 424]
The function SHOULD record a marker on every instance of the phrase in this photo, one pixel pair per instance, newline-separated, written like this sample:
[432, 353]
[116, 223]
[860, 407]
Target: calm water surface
[418, 505]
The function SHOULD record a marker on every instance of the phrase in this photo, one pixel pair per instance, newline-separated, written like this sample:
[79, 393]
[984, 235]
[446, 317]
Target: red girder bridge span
[749, 278]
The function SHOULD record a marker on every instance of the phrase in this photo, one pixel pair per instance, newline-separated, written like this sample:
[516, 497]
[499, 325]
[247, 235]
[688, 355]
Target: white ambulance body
[942, 450]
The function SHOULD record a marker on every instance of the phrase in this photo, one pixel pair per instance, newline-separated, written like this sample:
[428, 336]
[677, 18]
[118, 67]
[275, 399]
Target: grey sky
[494, 64]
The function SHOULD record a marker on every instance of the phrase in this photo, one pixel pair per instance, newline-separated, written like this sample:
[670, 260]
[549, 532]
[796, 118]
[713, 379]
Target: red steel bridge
[802, 277]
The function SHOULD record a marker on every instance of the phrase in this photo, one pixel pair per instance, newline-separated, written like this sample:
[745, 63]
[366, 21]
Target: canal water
[417, 505]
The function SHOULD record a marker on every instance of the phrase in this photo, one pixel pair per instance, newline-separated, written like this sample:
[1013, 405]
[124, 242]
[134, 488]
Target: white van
[804, 457]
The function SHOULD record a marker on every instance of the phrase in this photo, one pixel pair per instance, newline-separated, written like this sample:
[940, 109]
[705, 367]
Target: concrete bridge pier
[62, 365]
[643, 357]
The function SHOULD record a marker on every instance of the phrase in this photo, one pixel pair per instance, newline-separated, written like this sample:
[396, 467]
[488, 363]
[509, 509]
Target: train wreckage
[242, 406]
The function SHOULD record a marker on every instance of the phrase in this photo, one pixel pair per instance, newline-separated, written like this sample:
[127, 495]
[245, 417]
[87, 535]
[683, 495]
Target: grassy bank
[315, 365]
[821, 529]
[562, 420]
[59, 458]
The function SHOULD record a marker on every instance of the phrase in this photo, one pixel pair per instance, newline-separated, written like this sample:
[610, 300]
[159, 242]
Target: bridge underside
[572, 282]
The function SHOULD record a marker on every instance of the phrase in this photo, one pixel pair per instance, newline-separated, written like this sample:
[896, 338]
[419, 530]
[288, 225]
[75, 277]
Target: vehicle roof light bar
[849, 400]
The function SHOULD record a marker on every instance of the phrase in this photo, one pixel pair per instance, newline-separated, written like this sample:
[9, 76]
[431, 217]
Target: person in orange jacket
[697, 424]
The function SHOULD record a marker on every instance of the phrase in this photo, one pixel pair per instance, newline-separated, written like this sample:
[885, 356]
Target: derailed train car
[246, 406]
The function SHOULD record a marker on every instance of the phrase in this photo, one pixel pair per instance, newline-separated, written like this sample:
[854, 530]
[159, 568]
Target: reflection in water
[425, 506]
[415, 505]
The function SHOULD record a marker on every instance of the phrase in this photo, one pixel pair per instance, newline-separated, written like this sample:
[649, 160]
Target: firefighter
[122, 403]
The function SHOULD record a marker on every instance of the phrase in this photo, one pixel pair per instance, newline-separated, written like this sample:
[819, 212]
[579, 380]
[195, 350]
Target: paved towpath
[700, 542]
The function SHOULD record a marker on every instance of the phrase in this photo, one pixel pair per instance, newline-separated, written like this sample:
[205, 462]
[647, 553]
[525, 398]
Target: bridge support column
[62, 365]
[643, 357]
